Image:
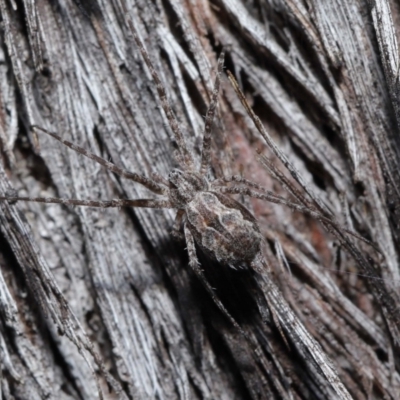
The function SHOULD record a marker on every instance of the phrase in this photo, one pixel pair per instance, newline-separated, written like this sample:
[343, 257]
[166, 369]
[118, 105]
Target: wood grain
[102, 302]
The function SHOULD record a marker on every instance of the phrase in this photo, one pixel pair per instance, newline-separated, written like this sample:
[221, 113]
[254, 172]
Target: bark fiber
[101, 303]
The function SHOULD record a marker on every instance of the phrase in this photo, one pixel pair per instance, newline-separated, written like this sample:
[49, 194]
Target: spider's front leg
[115, 203]
[158, 186]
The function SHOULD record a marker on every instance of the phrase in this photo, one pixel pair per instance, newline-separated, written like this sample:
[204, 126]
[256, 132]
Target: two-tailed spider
[221, 226]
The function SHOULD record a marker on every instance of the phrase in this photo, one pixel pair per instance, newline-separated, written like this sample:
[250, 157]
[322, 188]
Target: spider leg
[159, 179]
[195, 266]
[221, 182]
[275, 149]
[325, 215]
[240, 179]
[274, 198]
[216, 184]
[147, 182]
[172, 121]
[219, 185]
[138, 203]
[289, 186]
[206, 151]
[176, 231]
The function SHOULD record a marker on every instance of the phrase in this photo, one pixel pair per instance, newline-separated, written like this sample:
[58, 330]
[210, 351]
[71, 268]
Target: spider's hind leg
[176, 229]
[195, 266]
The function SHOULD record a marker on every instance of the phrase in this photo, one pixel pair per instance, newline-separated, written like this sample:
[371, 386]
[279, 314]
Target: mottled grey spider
[221, 226]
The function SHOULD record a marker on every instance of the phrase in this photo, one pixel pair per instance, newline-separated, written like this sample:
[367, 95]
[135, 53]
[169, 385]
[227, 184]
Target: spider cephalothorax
[184, 186]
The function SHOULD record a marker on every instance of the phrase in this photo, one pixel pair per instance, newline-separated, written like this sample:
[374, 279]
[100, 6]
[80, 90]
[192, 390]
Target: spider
[220, 226]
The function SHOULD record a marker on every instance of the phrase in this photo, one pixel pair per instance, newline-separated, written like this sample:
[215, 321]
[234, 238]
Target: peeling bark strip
[102, 302]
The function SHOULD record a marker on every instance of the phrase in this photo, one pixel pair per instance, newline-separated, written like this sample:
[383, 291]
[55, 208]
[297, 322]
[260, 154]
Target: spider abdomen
[223, 228]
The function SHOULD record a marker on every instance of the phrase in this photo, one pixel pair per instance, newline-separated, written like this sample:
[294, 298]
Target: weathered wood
[109, 291]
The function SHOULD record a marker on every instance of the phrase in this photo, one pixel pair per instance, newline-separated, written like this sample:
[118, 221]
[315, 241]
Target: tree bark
[101, 302]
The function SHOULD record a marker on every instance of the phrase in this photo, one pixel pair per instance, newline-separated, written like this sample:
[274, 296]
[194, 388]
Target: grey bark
[101, 302]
